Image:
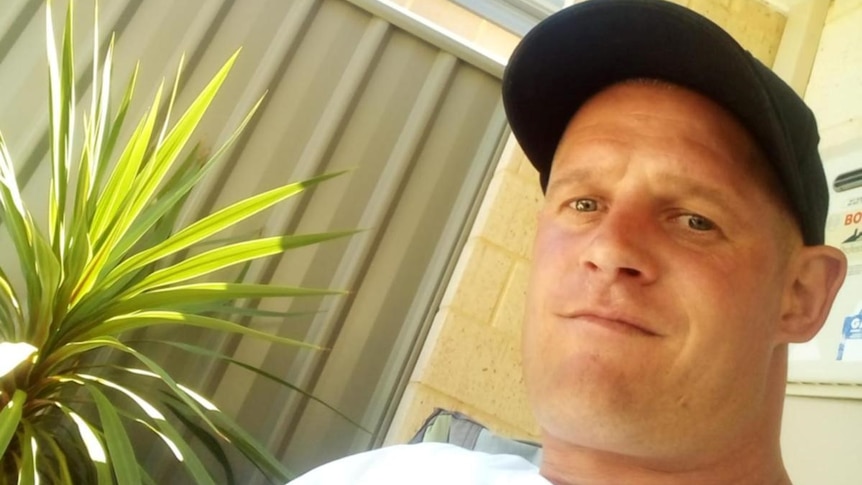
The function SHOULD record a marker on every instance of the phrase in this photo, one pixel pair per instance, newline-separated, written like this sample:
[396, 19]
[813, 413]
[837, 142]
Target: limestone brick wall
[471, 358]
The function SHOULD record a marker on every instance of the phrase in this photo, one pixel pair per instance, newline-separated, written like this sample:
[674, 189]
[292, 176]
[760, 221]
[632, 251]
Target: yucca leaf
[105, 230]
[171, 437]
[158, 219]
[157, 370]
[147, 478]
[216, 355]
[79, 255]
[170, 107]
[224, 257]
[175, 191]
[215, 223]
[27, 473]
[11, 318]
[118, 189]
[120, 451]
[110, 139]
[203, 435]
[99, 102]
[124, 323]
[49, 273]
[10, 417]
[182, 296]
[166, 432]
[95, 131]
[93, 444]
[167, 152]
[61, 89]
[19, 224]
[249, 312]
[63, 474]
[254, 451]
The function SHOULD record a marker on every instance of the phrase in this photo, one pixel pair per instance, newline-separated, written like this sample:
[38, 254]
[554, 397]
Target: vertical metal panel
[349, 85]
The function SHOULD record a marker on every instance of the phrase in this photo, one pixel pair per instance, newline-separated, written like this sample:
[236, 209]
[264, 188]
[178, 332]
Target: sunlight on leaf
[173, 447]
[197, 397]
[13, 354]
[147, 407]
[91, 441]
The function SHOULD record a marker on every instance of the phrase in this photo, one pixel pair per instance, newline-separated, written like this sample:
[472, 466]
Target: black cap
[578, 51]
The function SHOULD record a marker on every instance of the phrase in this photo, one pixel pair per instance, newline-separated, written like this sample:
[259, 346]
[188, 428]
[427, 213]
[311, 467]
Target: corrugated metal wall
[351, 84]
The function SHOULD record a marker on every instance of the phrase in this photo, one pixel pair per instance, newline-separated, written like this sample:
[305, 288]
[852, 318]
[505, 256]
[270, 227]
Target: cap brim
[579, 51]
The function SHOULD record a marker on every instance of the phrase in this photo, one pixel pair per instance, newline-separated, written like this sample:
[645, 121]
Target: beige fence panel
[356, 85]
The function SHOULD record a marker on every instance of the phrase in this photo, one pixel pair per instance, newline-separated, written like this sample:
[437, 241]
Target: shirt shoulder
[425, 463]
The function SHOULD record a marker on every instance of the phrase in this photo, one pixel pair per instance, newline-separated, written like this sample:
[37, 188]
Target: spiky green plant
[105, 268]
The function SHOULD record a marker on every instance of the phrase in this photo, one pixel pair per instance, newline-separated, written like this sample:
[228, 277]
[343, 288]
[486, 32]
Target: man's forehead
[706, 130]
[641, 106]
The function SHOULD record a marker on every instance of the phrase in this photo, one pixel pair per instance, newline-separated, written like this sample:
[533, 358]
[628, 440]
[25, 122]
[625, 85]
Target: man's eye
[700, 223]
[585, 205]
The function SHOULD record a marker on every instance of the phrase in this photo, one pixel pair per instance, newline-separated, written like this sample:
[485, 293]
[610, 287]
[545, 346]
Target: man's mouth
[614, 321]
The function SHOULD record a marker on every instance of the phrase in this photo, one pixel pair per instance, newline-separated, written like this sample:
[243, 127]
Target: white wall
[822, 438]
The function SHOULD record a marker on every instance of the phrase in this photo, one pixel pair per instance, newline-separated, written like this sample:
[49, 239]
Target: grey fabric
[444, 426]
[495, 444]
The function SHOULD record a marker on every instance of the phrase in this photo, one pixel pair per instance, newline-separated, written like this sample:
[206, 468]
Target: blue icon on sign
[852, 332]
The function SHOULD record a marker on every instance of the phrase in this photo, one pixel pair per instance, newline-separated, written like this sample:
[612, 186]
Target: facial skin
[668, 278]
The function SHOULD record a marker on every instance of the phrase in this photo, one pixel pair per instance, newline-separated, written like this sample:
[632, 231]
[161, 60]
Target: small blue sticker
[850, 347]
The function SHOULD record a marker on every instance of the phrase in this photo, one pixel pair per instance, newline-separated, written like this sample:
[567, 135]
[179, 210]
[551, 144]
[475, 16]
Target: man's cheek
[555, 247]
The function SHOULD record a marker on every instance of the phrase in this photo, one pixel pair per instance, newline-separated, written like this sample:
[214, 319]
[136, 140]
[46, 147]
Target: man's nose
[620, 246]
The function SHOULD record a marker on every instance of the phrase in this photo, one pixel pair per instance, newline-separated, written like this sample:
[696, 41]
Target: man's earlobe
[819, 273]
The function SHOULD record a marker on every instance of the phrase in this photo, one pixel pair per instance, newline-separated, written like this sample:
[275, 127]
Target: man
[678, 253]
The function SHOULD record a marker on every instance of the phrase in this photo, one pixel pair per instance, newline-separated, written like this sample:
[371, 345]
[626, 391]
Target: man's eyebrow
[682, 185]
[573, 176]
[691, 188]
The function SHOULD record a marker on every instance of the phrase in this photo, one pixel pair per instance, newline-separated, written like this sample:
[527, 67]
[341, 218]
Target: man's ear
[817, 274]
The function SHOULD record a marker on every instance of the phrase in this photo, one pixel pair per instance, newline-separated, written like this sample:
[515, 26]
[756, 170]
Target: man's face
[658, 278]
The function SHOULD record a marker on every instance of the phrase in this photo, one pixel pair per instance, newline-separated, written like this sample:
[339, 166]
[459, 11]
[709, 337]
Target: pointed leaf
[118, 190]
[156, 369]
[27, 473]
[216, 355]
[182, 296]
[168, 151]
[64, 475]
[124, 323]
[11, 318]
[204, 435]
[175, 191]
[224, 257]
[10, 418]
[106, 229]
[122, 455]
[93, 444]
[178, 445]
[19, 224]
[257, 453]
[110, 140]
[217, 222]
[61, 88]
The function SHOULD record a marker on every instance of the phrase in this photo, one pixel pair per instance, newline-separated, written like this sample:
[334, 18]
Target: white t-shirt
[425, 463]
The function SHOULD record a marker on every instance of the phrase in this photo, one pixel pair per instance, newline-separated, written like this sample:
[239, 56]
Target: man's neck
[565, 464]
